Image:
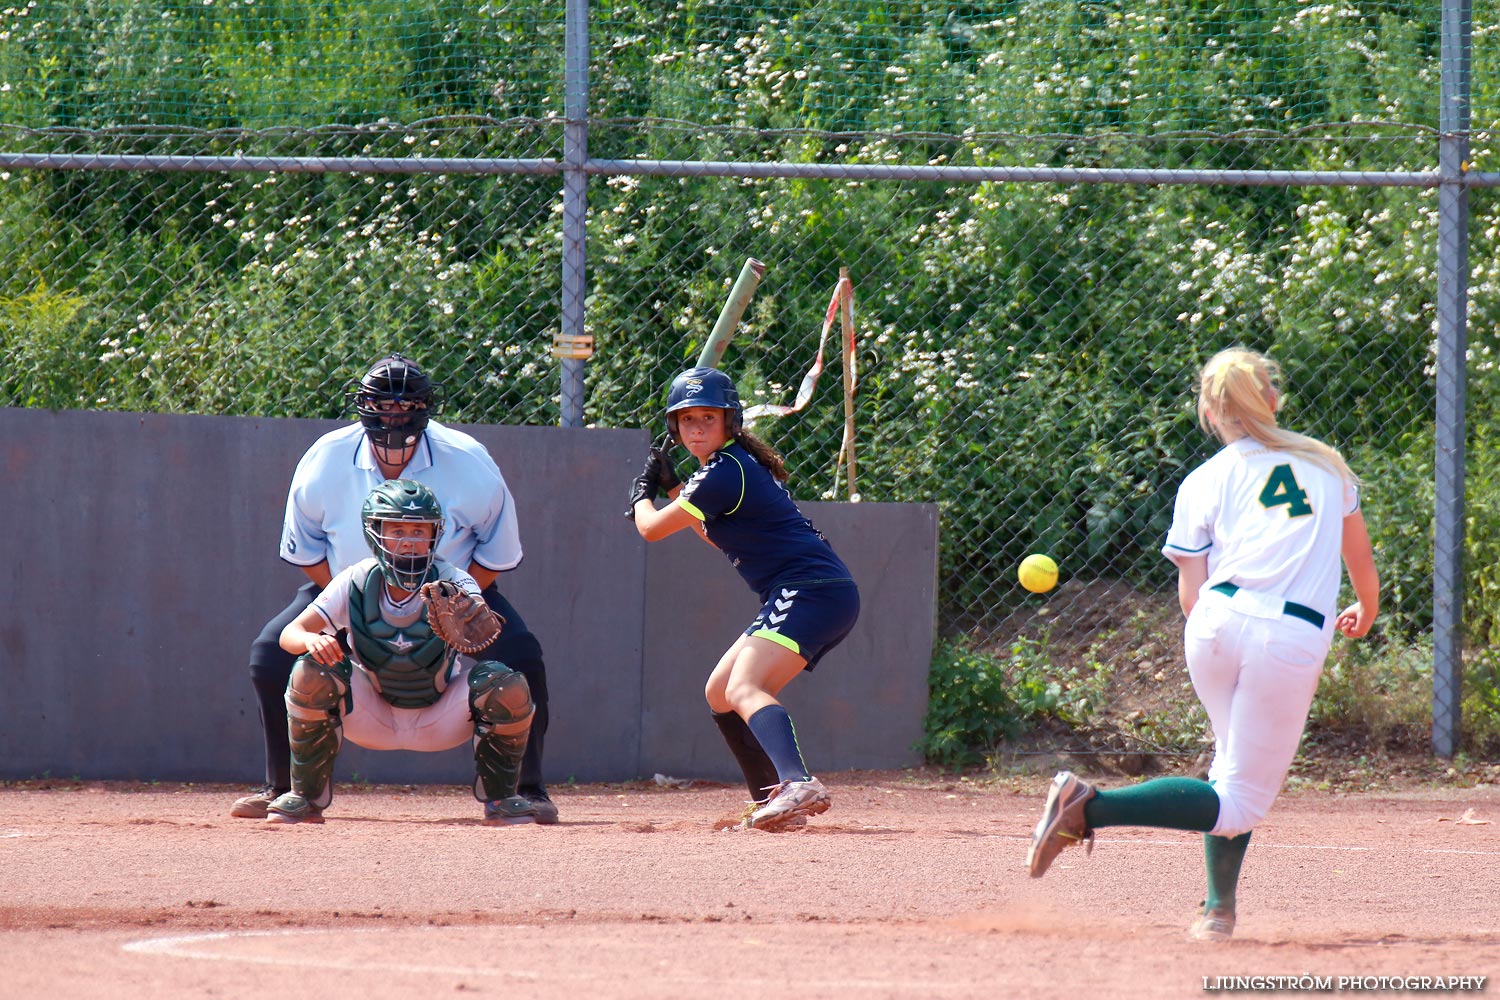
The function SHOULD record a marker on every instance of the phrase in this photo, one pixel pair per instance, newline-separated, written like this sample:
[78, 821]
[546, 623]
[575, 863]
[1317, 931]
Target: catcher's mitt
[458, 618]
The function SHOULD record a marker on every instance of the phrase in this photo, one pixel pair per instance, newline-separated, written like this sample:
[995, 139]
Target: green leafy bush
[976, 700]
[1378, 690]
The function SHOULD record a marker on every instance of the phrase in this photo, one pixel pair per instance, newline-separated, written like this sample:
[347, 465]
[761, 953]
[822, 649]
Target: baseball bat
[846, 306]
[729, 316]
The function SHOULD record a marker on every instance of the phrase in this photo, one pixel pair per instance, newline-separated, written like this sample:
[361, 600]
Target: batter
[737, 501]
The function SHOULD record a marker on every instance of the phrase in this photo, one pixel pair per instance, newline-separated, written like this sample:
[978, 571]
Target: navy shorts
[808, 618]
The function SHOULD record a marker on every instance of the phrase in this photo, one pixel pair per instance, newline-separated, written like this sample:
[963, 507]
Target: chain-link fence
[1051, 211]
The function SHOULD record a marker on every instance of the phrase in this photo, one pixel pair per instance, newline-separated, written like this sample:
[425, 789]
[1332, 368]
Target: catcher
[408, 615]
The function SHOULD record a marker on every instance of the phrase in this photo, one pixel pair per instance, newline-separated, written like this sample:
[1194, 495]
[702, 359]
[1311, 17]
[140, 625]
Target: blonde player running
[1257, 535]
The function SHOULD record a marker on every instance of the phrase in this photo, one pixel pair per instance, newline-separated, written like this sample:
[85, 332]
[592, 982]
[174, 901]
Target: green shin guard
[500, 702]
[1167, 803]
[497, 763]
[1222, 857]
[314, 695]
[315, 745]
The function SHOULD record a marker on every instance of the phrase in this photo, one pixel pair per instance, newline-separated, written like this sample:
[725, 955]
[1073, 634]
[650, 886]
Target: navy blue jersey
[750, 516]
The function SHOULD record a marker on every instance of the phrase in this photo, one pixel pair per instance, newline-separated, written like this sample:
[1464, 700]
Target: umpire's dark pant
[271, 668]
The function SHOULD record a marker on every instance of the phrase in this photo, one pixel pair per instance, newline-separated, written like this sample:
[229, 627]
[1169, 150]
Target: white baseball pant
[1256, 677]
[376, 724]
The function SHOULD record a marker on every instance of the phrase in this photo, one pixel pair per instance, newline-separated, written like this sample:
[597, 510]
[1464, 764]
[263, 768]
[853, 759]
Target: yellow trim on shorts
[778, 638]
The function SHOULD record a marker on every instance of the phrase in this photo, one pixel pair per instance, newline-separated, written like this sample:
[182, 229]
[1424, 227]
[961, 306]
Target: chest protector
[406, 661]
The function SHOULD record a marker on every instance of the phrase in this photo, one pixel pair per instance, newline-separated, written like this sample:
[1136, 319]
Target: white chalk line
[199, 947]
[187, 946]
[1388, 850]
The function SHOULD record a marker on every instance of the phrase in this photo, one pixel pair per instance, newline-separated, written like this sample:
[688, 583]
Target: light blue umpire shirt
[336, 474]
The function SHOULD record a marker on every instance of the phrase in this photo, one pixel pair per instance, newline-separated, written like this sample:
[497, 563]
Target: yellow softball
[1038, 573]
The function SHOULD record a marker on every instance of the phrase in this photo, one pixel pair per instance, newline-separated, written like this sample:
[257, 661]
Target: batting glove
[666, 474]
[647, 485]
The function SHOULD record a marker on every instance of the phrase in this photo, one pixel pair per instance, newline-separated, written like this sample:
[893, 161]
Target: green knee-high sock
[1223, 857]
[1172, 803]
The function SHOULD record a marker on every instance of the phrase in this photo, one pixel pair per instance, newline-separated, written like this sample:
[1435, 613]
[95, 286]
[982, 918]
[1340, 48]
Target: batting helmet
[401, 500]
[704, 387]
[394, 400]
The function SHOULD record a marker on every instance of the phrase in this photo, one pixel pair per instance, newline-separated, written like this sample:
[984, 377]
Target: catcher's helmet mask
[394, 401]
[703, 387]
[402, 500]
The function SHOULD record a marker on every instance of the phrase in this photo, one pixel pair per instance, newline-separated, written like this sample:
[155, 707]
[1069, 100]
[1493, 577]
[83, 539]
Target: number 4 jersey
[1269, 521]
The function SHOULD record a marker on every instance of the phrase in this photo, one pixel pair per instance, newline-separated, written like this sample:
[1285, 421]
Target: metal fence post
[1452, 313]
[575, 205]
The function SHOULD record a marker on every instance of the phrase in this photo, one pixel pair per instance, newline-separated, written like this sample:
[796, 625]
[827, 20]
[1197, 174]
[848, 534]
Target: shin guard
[500, 702]
[314, 728]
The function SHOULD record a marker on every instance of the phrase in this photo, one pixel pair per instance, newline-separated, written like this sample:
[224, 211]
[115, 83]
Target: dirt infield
[910, 887]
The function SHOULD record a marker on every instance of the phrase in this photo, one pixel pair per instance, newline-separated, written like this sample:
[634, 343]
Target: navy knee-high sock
[760, 773]
[773, 729]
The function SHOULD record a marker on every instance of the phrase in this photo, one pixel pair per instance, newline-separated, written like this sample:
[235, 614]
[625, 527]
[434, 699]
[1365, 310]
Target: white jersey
[338, 472]
[333, 602]
[1271, 522]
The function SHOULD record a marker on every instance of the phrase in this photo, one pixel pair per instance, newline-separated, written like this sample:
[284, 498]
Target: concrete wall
[141, 562]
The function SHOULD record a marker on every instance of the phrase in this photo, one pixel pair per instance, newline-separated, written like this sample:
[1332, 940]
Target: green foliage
[1480, 581]
[1377, 688]
[274, 63]
[1027, 349]
[1376, 692]
[32, 333]
[1481, 703]
[978, 699]
[305, 277]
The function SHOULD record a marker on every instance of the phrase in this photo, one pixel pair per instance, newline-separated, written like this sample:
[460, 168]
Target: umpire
[322, 534]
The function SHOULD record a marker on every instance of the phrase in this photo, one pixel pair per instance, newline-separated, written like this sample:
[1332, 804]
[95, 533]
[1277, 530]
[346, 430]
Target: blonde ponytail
[1237, 394]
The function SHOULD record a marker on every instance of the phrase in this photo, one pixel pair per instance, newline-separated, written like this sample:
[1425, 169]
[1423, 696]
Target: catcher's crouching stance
[408, 615]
